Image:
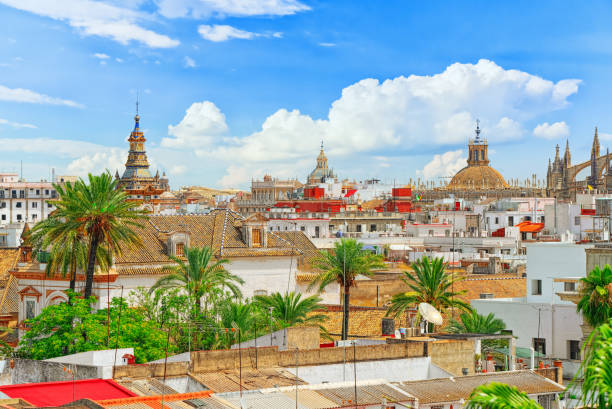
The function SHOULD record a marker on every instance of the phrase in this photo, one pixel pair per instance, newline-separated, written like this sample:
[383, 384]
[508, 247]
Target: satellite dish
[430, 314]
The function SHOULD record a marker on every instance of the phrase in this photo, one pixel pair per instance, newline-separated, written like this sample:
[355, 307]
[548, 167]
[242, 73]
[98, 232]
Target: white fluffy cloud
[446, 164]
[403, 114]
[552, 131]
[111, 159]
[203, 122]
[29, 96]
[97, 18]
[221, 32]
[16, 124]
[232, 8]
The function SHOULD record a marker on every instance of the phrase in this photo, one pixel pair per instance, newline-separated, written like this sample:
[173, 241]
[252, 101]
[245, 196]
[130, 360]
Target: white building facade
[542, 320]
[24, 202]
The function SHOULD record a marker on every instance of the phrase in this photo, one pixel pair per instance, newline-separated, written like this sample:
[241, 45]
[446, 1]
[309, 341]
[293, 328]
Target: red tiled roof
[528, 227]
[60, 393]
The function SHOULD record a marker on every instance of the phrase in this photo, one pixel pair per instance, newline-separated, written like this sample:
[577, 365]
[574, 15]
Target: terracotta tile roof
[229, 381]
[8, 259]
[454, 389]
[219, 229]
[171, 401]
[9, 303]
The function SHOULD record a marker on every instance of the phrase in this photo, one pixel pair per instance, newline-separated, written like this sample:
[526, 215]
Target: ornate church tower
[137, 166]
[137, 180]
[322, 171]
[593, 180]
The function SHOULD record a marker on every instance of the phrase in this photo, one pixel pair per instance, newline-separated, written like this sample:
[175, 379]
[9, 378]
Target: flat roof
[59, 393]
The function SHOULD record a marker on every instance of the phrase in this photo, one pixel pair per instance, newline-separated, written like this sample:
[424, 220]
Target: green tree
[495, 395]
[69, 328]
[596, 368]
[291, 309]
[474, 323]
[236, 323]
[429, 283]
[596, 299]
[343, 265]
[66, 246]
[104, 215]
[201, 276]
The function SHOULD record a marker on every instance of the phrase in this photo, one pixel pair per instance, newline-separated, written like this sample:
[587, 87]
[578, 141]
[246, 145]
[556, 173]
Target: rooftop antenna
[137, 103]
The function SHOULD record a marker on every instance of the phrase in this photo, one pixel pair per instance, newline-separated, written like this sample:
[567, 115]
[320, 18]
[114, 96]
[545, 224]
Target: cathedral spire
[557, 158]
[567, 158]
[595, 149]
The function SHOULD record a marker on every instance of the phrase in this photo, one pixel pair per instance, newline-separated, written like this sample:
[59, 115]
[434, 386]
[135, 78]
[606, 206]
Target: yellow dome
[477, 177]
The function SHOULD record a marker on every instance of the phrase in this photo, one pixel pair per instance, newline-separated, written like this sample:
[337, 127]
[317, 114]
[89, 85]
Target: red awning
[350, 192]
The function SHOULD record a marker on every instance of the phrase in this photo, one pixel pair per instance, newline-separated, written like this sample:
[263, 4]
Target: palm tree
[290, 309]
[474, 323]
[596, 302]
[343, 265]
[200, 276]
[431, 284]
[103, 214]
[66, 246]
[597, 368]
[237, 319]
[495, 395]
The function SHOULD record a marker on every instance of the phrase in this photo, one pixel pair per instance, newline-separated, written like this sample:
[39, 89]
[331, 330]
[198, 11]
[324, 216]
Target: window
[358, 228]
[49, 205]
[496, 220]
[577, 221]
[18, 205]
[486, 296]
[303, 228]
[180, 250]
[388, 326]
[29, 309]
[34, 205]
[38, 191]
[569, 287]
[541, 219]
[573, 349]
[372, 227]
[18, 217]
[3, 217]
[536, 287]
[47, 192]
[34, 217]
[447, 233]
[21, 194]
[510, 220]
[539, 344]
[14, 194]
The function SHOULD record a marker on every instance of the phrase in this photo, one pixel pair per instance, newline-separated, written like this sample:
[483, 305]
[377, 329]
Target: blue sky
[231, 90]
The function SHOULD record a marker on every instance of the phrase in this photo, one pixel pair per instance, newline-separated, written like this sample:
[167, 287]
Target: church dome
[477, 177]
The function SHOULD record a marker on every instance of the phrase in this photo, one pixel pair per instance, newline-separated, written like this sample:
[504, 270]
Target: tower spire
[477, 130]
[595, 149]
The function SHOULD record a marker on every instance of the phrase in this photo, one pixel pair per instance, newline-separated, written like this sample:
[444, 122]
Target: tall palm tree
[66, 246]
[343, 265]
[105, 216]
[290, 309]
[202, 275]
[596, 291]
[431, 284]
[474, 323]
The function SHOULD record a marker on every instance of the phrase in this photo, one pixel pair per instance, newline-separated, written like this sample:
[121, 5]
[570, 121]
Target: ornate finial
[137, 116]
[321, 144]
[477, 130]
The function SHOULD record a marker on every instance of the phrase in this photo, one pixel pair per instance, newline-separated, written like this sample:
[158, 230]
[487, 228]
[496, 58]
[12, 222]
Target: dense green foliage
[68, 328]
[430, 283]
[347, 261]
[474, 323]
[495, 395]
[596, 297]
